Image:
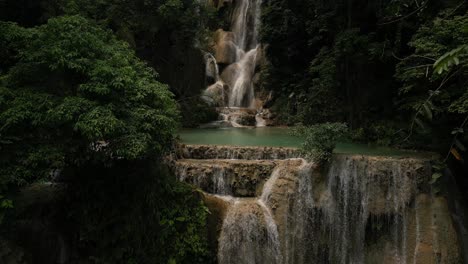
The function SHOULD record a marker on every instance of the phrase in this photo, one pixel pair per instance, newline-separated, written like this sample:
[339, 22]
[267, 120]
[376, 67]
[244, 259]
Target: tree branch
[444, 81]
[404, 17]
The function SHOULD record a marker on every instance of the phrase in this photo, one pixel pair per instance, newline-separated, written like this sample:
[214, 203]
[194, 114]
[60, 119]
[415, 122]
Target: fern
[449, 59]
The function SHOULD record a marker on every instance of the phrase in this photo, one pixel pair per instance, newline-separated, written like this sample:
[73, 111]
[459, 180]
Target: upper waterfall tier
[237, 50]
[245, 24]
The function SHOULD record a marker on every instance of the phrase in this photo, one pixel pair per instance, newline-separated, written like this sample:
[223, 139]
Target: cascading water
[238, 51]
[355, 192]
[245, 29]
[218, 183]
[246, 21]
[242, 93]
[357, 209]
[300, 220]
[211, 67]
[249, 233]
[330, 219]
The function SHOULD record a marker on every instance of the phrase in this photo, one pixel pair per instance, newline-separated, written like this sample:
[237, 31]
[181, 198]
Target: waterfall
[245, 25]
[300, 239]
[259, 120]
[356, 209]
[327, 220]
[347, 213]
[356, 193]
[215, 182]
[242, 93]
[221, 182]
[238, 51]
[249, 233]
[211, 67]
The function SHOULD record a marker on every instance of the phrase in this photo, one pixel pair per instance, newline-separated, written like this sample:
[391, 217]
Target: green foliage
[76, 100]
[183, 226]
[168, 34]
[450, 58]
[333, 57]
[132, 212]
[195, 111]
[320, 140]
[75, 94]
[382, 133]
[5, 204]
[137, 212]
[13, 38]
[437, 98]
[432, 41]
[369, 63]
[322, 99]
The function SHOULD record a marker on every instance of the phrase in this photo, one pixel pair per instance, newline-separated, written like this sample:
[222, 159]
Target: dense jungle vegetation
[394, 71]
[81, 104]
[370, 64]
[92, 93]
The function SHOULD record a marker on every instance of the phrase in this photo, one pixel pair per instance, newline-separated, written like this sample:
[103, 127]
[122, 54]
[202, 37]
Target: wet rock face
[226, 177]
[387, 183]
[434, 234]
[243, 117]
[217, 94]
[218, 209]
[225, 49]
[358, 209]
[233, 152]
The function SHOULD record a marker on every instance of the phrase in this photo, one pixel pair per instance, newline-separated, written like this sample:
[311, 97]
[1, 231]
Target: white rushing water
[356, 210]
[249, 233]
[234, 86]
[221, 182]
[354, 193]
[334, 228]
[245, 26]
[242, 93]
[211, 67]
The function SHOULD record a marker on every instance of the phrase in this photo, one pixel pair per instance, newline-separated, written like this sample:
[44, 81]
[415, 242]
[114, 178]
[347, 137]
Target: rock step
[235, 152]
[239, 178]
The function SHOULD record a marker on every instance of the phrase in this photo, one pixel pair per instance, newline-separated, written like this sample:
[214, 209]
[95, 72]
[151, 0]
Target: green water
[273, 137]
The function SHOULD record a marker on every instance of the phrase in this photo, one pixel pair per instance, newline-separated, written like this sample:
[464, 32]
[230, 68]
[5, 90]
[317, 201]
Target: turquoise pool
[273, 137]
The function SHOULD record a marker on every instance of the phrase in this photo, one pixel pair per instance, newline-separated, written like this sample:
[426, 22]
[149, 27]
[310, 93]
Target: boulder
[225, 47]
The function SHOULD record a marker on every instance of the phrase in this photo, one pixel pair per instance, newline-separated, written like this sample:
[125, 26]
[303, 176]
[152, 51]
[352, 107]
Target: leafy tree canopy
[440, 42]
[370, 64]
[75, 94]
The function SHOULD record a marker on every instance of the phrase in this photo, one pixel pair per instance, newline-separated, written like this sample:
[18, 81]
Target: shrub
[320, 140]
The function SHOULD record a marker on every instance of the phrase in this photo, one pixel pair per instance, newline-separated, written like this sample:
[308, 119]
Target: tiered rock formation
[269, 207]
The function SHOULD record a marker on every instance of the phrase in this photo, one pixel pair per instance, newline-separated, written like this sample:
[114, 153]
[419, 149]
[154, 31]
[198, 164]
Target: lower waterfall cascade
[360, 209]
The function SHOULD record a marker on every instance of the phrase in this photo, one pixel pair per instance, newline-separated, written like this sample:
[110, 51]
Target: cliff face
[360, 209]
